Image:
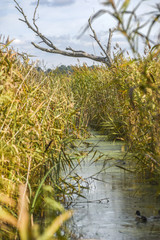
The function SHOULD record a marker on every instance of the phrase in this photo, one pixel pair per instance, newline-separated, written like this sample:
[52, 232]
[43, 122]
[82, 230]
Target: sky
[61, 21]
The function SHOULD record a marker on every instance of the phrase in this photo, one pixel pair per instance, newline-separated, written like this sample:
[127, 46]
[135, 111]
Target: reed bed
[41, 117]
[123, 101]
[38, 124]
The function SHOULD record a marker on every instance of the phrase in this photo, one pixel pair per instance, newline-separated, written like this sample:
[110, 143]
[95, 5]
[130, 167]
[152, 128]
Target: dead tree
[70, 52]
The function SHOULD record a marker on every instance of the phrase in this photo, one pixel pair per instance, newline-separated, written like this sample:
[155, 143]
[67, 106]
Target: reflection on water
[114, 195]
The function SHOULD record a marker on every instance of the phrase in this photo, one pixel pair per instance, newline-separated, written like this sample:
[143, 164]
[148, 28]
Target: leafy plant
[23, 224]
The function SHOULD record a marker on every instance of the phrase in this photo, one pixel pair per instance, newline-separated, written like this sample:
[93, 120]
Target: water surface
[114, 194]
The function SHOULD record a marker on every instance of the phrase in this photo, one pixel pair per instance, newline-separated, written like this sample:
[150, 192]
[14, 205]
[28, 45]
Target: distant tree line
[62, 69]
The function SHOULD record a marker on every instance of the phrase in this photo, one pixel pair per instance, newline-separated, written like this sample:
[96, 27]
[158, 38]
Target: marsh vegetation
[44, 115]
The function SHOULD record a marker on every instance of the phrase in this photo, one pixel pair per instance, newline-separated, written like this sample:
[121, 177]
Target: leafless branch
[95, 36]
[108, 50]
[34, 15]
[69, 48]
[51, 48]
[92, 18]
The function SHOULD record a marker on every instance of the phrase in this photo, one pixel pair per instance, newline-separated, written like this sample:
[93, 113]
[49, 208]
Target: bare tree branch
[77, 54]
[92, 18]
[108, 52]
[51, 48]
[34, 15]
[95, 36]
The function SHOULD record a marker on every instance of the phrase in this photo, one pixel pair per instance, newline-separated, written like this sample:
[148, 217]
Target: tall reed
[123, 101]
[38, 123]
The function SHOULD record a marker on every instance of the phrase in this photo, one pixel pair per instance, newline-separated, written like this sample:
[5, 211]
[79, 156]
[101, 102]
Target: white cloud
[18, 42]
[55, 3]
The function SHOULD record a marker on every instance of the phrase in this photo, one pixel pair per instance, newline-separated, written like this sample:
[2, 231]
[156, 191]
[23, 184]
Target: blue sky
[61, 21]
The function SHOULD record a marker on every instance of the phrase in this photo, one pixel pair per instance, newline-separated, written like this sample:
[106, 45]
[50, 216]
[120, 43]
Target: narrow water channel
[108, 210]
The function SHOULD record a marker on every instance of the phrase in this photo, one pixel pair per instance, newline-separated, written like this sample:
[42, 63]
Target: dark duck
[140, 218]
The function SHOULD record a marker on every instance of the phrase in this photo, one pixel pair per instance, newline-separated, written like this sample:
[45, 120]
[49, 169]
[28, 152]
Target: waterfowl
[140, 218]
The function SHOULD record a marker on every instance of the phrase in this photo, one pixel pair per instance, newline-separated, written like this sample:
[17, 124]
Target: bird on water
[140, 218]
